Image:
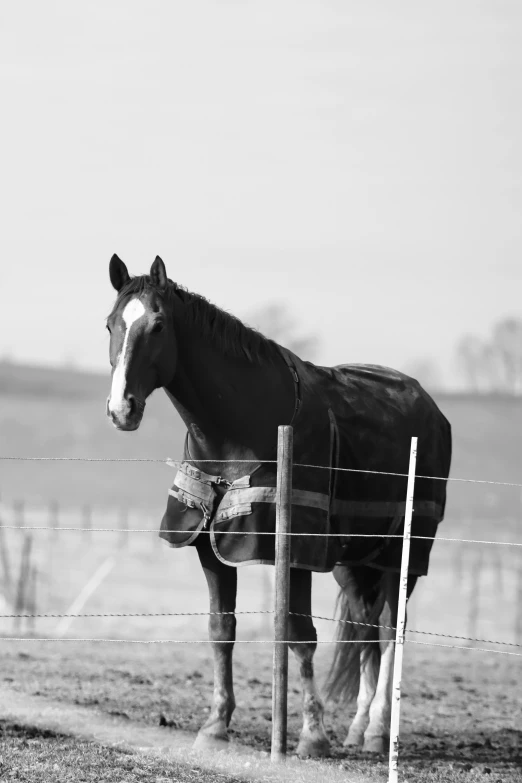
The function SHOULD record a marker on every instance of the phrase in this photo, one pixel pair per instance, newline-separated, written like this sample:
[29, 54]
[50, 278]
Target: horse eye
[158, 327]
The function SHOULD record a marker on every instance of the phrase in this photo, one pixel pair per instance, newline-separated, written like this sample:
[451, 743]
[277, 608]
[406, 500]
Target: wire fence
[257, 612]
[171, 463]
[25, 606]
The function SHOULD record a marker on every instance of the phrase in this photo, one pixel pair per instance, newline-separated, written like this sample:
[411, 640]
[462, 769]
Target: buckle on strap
[197, 474]
[203, 492]
[196, 489]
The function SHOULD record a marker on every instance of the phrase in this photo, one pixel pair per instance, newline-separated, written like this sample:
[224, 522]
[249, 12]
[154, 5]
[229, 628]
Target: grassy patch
[33, 755]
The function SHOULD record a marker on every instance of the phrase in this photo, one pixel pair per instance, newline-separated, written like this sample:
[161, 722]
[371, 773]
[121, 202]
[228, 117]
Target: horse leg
[222, 586]
[367, 687]
[313, 740]
[377, 735]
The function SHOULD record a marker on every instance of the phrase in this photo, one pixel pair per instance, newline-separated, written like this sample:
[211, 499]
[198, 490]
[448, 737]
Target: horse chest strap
[197, 489]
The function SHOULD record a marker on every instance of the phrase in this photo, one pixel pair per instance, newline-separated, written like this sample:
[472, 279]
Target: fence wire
[260, 611]
[172, 462]
[254, 641]
[251, 533]
[249, 641]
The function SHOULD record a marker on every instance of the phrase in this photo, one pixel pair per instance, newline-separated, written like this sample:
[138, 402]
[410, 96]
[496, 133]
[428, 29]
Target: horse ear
[118, 273]
[158, 274]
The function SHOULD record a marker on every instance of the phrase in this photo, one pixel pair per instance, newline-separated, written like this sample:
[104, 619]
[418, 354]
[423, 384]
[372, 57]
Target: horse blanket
[354, 417]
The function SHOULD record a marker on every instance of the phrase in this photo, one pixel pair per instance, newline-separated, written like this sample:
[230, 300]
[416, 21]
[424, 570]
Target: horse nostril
[131, 400]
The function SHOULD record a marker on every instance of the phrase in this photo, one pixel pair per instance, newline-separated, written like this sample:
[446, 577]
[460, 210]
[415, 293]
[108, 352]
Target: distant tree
[276, 322]
[472, 361]
[494, 364]
[427, 372]
[506, 352]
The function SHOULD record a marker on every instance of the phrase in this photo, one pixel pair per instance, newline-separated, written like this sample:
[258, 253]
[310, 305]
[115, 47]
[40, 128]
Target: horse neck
[231, 407]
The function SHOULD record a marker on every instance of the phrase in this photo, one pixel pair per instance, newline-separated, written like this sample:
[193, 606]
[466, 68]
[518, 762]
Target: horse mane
[228, 334]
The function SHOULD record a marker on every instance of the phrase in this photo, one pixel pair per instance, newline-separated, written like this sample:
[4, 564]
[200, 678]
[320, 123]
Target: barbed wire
[250, 462]
[179, 641]
[260, 611]
[409, 630]
[253, 533]
[256, 641]
[138, 614]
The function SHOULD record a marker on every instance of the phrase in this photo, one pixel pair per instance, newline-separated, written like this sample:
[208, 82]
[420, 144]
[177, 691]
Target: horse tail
[360, 600]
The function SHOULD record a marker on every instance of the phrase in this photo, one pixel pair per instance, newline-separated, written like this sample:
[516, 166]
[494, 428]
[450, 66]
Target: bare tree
[427, 372]
[472, 361]
[276, 322]
[507, 353]
[495, 364]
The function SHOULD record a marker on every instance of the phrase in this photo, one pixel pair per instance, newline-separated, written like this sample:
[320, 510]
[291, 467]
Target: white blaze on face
[132, 311]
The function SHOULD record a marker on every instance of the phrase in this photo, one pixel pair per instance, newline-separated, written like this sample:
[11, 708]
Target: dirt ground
[461, 714]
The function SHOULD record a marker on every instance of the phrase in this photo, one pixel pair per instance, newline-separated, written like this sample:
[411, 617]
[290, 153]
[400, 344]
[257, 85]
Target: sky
[359, 162]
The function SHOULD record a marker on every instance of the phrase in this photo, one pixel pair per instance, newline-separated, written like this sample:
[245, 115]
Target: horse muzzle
[127, 414]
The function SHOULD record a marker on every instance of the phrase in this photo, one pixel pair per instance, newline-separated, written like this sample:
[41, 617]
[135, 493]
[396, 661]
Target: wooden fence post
[474, 598]
[23, 581]
[518, 571]
[282, 591]
[30, 603]
[6, 566]
[53, 522]
[401, 620]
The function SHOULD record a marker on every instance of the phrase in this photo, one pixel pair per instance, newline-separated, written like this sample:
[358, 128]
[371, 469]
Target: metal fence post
[282, 591]
[401, 620]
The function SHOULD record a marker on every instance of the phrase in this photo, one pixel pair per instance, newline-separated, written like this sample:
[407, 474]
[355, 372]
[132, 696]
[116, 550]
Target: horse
[233, 387]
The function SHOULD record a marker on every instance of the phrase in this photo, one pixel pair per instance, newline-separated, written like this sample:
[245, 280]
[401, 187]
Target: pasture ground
[31, 755]
[461, 715]
[81, 738]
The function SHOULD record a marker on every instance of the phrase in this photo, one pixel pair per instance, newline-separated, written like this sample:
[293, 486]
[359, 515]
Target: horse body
[233, 388]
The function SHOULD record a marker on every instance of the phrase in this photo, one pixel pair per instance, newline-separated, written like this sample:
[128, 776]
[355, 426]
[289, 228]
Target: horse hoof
[210, 742]
[355, 739]
[375, 744]
[313, 748]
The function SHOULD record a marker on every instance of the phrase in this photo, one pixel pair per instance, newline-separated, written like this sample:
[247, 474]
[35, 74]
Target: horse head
[142, 341]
